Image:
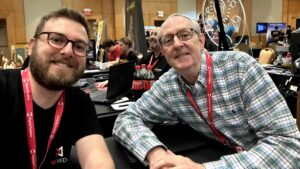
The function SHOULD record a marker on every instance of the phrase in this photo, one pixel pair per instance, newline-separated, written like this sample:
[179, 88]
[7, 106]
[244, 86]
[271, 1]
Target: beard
[54, 80]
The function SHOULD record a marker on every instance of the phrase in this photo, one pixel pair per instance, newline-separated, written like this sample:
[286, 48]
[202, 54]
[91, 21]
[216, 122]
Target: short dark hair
[63, 12]
[108, 43]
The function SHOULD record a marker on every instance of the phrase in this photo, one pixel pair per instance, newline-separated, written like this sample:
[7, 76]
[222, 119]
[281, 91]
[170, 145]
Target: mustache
[71, 62]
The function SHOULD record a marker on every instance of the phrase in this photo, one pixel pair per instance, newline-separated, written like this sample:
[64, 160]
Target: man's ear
[201, 39]
[31, 44]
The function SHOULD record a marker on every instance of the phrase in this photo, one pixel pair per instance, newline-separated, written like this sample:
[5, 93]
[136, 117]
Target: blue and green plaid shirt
[248, 109]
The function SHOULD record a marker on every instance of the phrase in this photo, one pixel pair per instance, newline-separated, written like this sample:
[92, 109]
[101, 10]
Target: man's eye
[184, 35]
[79, 47]
[57, 40]
[167, 40]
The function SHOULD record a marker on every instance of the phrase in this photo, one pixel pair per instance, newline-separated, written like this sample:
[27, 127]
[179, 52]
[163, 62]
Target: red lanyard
[30, 129]
[210, 123]
[150, 62]
[209, 79]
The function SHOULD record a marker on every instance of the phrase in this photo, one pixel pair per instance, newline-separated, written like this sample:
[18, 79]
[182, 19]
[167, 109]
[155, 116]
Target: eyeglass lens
[183, 35]
[59, 41]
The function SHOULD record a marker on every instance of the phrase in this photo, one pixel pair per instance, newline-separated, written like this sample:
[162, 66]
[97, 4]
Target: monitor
[281, 26]
[295, 45]
[261, 27]
[271, 26]
[91, 56]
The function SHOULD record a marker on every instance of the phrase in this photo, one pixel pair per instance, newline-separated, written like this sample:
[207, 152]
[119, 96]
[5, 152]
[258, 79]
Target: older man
[226, 96]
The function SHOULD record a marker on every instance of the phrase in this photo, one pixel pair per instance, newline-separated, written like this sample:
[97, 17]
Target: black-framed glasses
[183, 35]
[59, 41]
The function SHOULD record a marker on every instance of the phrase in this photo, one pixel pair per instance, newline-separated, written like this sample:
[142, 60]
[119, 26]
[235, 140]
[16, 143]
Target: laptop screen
[120, 79]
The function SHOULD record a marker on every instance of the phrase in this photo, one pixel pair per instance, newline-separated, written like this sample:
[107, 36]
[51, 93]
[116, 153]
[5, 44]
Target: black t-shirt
[131, 56]
[160, 67]
[78, 120]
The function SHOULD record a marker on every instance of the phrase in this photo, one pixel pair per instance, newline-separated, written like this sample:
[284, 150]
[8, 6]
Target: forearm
[155, 154]
[105, 162]
[271, 152]
[138, 140]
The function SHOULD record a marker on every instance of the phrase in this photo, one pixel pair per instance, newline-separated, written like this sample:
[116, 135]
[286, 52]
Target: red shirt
[112, 56]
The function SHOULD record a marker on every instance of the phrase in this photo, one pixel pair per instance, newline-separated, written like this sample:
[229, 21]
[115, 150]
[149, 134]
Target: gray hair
[195, 24]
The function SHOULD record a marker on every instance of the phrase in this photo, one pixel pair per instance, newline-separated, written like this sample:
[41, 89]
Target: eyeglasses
[59, 41]
[152, 39]
[183, 35]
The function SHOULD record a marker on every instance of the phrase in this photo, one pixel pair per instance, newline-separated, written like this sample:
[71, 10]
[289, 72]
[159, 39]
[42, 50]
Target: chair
[266, 56]
[242, 47]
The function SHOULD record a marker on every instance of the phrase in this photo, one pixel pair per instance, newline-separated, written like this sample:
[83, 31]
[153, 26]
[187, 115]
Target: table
[106, 117]
[179, 138]
[287, 83]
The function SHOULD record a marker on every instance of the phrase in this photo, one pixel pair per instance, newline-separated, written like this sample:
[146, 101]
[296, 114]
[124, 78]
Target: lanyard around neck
[30, 128]
[150, 62]
[209, 80]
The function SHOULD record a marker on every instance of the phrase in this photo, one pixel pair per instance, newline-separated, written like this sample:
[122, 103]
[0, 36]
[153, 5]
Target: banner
[99, 34]
[135, 25]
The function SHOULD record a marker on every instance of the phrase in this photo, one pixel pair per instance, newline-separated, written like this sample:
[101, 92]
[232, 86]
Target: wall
[3, 39]
[13, 12]
[150, 8]
[187, 7]
[34, 12]
[113, 10]
[265, 11]
[291, 12]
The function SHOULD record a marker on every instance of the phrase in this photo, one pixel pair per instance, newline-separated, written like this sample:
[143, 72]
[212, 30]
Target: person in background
[155, 58]
[231, 31]
[275, 34]
[8, 63]
[113, 50]
[44, 115]
[127, 53]
[226, 96]
[287, 31]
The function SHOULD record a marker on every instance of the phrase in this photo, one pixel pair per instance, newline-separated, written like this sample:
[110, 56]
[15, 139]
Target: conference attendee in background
[225, 96]
[43, 116]
[113, 50]
[155, 58]
[231, 32]
[287, 31]
[127, 53]
[126, 56]
[275, 34]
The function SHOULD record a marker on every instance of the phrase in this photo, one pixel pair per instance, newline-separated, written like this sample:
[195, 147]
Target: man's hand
[161, 159]
[101, 85]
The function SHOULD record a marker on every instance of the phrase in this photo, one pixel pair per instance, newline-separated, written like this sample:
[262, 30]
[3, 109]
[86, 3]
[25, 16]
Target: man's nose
[177, 42]
[68, 49]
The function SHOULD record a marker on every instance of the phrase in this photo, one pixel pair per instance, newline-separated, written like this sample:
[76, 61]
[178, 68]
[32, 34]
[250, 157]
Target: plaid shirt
[247, 106]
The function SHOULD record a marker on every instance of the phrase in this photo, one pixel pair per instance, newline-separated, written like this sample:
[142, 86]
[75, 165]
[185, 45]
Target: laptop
[119, 84]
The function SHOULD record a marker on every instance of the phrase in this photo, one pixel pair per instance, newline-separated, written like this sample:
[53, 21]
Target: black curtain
[135, 25]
